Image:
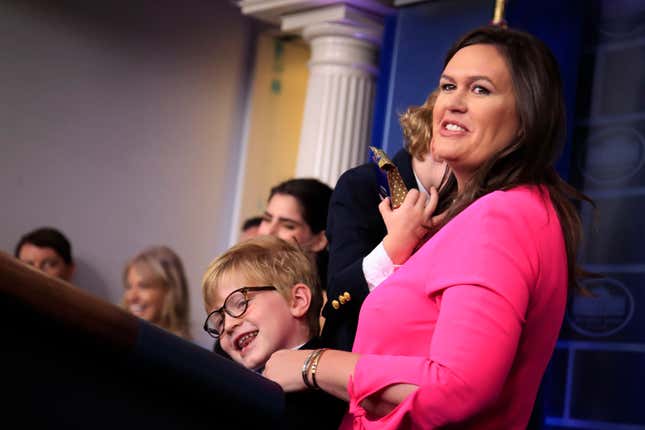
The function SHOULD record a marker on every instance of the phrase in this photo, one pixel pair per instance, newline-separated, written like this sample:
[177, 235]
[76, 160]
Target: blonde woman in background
[156, 290]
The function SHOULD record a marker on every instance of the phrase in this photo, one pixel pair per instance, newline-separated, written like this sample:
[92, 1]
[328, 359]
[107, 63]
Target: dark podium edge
[72, 360]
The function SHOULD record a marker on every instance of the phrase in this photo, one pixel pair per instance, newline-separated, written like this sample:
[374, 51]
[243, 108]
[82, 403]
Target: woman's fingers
[438, 218]
[431, 206]
[412, 197]
[421, 202]
[384, 207]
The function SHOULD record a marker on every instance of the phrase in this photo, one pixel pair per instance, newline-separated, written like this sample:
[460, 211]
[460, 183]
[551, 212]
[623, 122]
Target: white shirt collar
[420, 185]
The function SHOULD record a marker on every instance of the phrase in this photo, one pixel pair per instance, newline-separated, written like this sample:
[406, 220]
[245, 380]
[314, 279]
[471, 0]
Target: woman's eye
[478, 89]
[290, 226]
[447, 87]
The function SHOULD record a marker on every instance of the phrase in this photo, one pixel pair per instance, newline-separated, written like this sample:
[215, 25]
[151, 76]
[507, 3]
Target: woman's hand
[285, 368]
[407, 224]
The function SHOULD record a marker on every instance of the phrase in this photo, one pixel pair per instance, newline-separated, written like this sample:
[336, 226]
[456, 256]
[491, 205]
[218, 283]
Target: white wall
[119, 125]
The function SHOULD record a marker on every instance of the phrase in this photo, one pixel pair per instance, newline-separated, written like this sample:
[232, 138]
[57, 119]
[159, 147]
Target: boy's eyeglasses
[235, 305]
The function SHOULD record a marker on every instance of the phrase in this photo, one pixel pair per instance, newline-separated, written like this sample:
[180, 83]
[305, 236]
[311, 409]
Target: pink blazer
[471, 319]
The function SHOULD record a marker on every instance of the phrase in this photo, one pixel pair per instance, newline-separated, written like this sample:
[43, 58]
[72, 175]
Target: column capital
[335, 20]
[345, 37]
[273, 11]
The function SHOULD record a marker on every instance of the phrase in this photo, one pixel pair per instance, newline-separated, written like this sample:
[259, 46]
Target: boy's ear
[319, 242]
[300, 300]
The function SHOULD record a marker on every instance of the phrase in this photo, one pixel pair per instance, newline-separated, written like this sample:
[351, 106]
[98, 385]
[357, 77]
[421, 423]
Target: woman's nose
[456, 101]
[269, 227]
[262, 228]
[132, 294]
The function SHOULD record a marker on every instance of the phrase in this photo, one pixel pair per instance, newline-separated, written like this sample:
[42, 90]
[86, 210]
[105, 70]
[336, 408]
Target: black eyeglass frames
[234, 305]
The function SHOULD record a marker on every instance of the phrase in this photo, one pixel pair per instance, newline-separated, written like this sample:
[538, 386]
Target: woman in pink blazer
[460, 335]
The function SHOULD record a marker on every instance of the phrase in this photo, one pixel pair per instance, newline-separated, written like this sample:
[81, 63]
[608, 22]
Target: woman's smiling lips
[452, 128]
[137, 309]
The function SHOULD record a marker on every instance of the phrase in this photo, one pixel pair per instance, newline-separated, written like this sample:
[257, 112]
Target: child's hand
[285, 368]
[407, 224]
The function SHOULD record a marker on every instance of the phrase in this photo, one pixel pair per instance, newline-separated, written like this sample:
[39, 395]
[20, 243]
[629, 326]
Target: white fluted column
[337, 118]
[345, 39]
[340, 96]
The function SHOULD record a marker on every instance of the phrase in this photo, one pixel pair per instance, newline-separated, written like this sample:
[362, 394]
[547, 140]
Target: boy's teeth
[246, 339]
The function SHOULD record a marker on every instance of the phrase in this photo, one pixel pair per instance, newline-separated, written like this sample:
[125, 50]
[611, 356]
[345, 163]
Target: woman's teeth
[136, 309]
[454, 127]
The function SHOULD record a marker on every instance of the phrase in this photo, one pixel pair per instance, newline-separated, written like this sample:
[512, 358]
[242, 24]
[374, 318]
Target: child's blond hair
[267, 260]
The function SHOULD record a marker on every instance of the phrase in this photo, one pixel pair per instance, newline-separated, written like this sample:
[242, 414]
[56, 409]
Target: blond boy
[261, 296]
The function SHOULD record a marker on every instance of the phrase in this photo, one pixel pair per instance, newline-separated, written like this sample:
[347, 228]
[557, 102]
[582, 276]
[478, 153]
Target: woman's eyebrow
[283, 219]
[470, 79]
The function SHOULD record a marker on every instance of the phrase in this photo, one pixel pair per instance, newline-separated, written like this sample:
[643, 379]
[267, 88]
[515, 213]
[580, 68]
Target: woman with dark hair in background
[461, 334]
[297, 212]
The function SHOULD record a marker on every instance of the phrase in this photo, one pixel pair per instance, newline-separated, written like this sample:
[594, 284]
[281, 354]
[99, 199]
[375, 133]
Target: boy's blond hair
[267, 260]
[416, 123]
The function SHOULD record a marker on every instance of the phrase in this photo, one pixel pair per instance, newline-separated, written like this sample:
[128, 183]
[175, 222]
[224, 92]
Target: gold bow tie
[398, 190]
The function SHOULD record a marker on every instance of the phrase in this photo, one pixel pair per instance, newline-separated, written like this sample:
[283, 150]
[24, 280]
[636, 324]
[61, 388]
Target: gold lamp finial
[498, 16]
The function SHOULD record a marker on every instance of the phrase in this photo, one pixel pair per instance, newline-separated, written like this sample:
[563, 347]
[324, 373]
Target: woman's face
[283, 218]
[474, 116]
[144, 297]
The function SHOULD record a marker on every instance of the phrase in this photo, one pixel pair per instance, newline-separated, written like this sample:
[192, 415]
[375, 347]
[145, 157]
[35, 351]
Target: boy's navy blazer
[354, 229]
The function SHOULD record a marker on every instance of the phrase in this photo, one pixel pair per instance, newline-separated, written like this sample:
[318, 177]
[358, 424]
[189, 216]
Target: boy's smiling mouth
[245, 340]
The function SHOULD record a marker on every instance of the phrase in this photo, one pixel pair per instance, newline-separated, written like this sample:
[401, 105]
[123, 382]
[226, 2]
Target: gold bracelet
[305, 369]
[314, 367]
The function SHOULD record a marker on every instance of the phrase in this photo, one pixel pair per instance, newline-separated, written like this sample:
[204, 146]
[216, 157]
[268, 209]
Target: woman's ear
[300, 300]
[318, 242]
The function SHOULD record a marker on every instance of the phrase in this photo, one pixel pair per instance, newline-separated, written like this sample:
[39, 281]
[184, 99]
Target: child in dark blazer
[262, 296]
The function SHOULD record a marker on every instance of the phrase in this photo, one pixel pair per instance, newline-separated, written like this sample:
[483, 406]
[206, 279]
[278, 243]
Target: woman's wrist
[310, 367]
[305, 370]
[398, 250]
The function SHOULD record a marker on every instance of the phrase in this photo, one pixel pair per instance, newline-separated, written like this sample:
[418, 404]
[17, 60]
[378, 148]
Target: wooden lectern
[70, 360]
